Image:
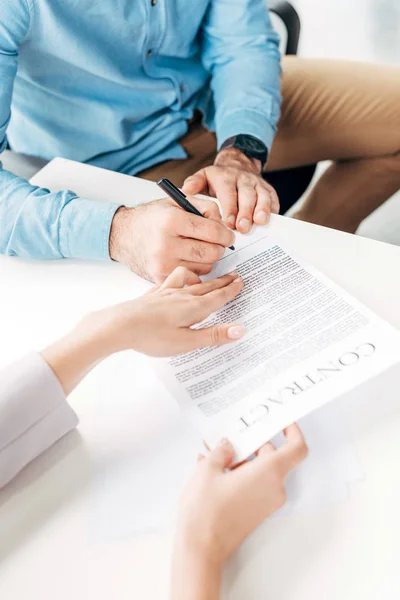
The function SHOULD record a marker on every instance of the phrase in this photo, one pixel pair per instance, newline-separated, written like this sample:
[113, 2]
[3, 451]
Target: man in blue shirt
[120, 84]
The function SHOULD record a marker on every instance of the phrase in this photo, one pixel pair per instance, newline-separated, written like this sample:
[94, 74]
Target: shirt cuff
[34, 414]
[248, 122]
[85, 229]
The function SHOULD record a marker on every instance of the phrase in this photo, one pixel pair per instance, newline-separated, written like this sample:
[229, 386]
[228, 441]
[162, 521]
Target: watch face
[251, 143]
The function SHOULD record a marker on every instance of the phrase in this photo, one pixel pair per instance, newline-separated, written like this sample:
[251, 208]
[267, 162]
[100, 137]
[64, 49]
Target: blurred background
[366, 30]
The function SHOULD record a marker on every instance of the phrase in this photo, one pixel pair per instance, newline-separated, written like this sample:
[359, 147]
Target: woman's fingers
[221, 456]
[217, 298]
[266, 449]
[293, 451]
[213, 284]
[217, 335]
[179, 278]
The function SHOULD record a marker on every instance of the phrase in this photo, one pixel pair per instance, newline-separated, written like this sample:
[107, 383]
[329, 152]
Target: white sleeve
[34, 413]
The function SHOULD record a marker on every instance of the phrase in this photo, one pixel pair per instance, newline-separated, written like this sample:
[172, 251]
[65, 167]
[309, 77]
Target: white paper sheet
[152, 451]
[308, 342]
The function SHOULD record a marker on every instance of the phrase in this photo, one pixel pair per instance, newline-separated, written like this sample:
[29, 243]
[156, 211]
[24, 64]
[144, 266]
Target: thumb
[218, 334]
[222, 455]
[195, 184]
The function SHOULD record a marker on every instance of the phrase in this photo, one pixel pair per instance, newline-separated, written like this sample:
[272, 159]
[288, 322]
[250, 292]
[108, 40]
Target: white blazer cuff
[34, 413]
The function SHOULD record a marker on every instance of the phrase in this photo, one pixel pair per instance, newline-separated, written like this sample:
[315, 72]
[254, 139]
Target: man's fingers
[197, 267]
[198, 251]
[247, 203]
[262, 210]
[207, 230]
[208, 208]
[293, 451]
[196, 184]
[214, 284]
[217, 335]
[222, 455]
[275, 206]
[227, 194]
[180, 277]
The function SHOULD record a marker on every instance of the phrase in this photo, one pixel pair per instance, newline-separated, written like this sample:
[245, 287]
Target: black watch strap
[251, 147]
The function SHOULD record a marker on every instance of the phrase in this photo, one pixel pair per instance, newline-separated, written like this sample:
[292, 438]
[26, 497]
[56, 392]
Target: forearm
[34, 413]
[254, 108]
[36, 223]
[43, 225]
[241, 51]
[194, 576]
[72, 357]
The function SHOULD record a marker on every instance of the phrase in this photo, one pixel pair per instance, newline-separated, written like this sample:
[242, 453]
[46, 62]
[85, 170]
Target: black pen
[179, 197]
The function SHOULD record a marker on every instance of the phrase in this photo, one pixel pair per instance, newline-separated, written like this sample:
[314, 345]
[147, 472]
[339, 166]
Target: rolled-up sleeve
[34, 413]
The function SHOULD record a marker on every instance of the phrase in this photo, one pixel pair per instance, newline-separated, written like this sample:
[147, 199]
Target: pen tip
[231, 247]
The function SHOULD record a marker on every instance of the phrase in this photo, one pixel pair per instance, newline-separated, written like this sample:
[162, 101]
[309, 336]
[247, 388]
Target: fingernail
[245, 224]
[236, 332]
[231, 220]
[262, 217]
[237, 279]
[233, 273]
[223, 441]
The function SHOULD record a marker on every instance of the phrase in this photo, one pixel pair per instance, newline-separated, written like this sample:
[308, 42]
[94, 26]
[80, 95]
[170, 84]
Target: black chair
[290, 184]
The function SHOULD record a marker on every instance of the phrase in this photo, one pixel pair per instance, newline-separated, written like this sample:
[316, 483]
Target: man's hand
[153, 239]
[236, 181]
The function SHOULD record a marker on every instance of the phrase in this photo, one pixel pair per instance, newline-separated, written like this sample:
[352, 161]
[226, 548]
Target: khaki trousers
[342, 111]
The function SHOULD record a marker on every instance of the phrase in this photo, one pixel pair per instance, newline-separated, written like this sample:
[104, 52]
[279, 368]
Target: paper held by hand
[308, 342]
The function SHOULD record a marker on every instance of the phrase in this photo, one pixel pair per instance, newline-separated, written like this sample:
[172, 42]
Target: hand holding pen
[156, 237]
[179, 197]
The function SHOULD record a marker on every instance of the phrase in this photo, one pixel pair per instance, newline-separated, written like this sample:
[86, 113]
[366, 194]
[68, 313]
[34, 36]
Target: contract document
[308, 341]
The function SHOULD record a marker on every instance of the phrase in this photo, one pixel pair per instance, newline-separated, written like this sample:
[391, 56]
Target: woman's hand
[158, 324]
[221, 507]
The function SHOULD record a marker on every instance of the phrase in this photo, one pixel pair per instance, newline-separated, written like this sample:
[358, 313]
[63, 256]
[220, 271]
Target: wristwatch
[249, 145]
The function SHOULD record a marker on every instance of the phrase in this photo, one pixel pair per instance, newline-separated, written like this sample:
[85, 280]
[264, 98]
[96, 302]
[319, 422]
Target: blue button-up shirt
[113, 83]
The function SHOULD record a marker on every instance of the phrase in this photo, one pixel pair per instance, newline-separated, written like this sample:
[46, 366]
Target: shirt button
[149, 53]
[153, 2]
[182, 87]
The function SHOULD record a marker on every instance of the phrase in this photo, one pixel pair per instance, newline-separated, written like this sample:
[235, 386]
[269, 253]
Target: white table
[345, 551]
